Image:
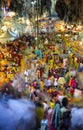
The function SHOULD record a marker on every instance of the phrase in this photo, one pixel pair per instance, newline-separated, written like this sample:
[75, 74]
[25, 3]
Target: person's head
[57, 102]
[64, 102]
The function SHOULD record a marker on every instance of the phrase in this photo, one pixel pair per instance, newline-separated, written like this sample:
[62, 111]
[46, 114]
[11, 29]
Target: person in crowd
[44, 122]
[42, 85]
[49, 83]
[51, 103]
[45, 105]
[55, 119]
[72, 84]
[49, 116]
[55, 82]
[39, 53]
[65, 115]
[80, 67]
[40, 113]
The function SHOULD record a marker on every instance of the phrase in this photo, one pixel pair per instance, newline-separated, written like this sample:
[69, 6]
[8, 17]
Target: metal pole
[37, 22]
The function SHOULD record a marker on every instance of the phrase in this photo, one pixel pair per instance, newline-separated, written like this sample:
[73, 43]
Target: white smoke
[17, 115]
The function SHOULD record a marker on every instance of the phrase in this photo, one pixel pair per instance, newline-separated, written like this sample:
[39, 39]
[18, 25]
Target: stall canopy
[9, 35]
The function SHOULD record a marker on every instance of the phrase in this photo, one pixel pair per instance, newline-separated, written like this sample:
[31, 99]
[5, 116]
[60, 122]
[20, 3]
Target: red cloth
[72, 91]
[52, 127]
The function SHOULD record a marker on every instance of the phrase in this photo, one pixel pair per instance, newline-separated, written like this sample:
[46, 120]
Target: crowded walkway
[43, 76]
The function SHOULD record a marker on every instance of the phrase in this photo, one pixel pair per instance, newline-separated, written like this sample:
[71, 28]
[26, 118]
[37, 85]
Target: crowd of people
[45, 78]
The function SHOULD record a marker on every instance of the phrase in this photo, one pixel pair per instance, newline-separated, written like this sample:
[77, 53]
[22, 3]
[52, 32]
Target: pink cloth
[49, 116]
[73, 83]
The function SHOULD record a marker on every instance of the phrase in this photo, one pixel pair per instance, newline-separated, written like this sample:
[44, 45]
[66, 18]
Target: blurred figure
[44, 122]
[76, 119]
[55, 117]
[40, 113]
[17, 115]
[65, 115]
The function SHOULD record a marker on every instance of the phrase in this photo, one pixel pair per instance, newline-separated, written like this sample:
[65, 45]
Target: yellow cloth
[52, 104]
[42, 85]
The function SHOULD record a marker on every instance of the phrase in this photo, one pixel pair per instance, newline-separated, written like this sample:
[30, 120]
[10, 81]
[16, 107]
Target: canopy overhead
[8, 36]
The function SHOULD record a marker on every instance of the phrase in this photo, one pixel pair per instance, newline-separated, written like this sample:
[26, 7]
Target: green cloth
[40, 113]
[67, 79]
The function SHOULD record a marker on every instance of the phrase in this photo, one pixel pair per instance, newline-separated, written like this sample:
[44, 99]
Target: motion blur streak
[77, 119]
[17, 114]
